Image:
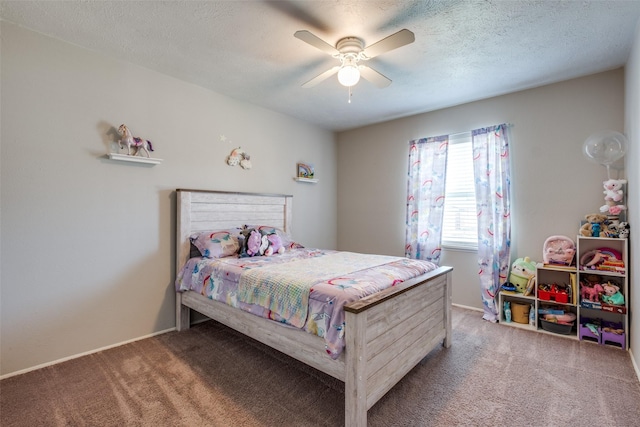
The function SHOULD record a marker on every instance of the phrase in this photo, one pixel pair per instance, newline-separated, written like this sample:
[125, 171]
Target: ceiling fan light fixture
[348, 75]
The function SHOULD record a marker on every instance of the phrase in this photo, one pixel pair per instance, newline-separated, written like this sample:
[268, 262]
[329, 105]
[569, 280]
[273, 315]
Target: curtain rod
[453, 135]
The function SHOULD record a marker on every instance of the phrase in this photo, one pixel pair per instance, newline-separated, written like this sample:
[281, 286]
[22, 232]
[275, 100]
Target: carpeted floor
[212, 376]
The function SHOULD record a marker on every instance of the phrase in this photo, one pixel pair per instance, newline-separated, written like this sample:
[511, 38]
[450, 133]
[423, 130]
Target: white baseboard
[635, 365]
[466, 307]
[86, 353]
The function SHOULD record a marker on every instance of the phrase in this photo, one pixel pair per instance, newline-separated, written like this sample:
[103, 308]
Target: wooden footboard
[388, 333]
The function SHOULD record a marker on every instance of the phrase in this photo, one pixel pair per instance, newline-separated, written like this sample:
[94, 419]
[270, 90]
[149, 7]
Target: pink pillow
[218, 243]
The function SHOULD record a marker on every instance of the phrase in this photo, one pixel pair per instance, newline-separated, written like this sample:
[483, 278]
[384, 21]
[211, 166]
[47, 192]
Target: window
[460, 226]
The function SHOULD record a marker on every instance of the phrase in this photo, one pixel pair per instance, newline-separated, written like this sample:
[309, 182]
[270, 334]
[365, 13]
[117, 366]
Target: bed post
[355, 393]
[447, 311]
[183, 314]
[183, 224]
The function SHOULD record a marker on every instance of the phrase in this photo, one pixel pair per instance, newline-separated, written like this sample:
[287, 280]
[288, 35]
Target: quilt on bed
[304, 288]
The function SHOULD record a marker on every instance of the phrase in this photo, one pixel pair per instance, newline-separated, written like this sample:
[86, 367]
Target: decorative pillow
[217, 244]
[286, 240]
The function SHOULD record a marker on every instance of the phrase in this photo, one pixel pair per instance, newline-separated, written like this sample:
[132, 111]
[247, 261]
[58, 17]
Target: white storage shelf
[608, 315]
[572, 277]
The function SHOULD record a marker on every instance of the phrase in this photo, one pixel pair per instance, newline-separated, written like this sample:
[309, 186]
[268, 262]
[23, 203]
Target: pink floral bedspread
[326, 293]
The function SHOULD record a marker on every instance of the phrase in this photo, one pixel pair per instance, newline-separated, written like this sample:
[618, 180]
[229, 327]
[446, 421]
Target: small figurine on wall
[239, 157]
[130, 141]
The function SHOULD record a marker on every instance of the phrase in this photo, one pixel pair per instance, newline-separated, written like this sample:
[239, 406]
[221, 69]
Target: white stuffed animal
[613, 189]
[623, 230]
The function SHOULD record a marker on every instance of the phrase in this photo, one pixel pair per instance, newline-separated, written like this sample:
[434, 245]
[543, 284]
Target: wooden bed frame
[386, 333]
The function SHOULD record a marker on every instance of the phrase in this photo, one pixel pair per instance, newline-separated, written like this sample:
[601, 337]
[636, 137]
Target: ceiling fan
[350, 51]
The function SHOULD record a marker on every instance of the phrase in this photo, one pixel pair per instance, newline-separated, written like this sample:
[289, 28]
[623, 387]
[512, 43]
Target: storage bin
[520, 312]
[586, 334]
[556, 328]
[553, 296]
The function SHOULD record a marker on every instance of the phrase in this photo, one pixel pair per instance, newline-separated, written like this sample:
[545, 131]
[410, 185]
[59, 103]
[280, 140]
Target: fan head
[350, 51]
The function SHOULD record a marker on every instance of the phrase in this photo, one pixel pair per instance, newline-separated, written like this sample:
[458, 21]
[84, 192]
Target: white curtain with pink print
[425, 197]
[491, 166]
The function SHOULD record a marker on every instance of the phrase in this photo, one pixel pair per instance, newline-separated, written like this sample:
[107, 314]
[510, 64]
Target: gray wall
[553, 185]
[87, 246]
[632, 130]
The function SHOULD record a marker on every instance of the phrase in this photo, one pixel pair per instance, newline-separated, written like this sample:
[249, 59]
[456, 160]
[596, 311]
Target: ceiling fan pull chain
[349, 99]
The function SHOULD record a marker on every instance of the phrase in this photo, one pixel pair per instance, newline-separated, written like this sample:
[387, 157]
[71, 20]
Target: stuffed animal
[623, 230]
[613, 193]
[275, 244]
[250, 241]
[523, 275]
[613, 189]
[591, 293]
[612, 294]
[588, 227]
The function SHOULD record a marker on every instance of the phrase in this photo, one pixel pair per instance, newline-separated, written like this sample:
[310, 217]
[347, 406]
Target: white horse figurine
[131, 141]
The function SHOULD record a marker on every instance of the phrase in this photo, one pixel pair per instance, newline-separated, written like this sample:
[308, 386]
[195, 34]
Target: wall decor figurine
[239, 157]
[305, 170]
[133, 143]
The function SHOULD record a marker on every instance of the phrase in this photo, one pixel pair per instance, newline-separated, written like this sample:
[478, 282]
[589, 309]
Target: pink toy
[253, 243]
[591, 293]
[613, 194]
[558, 250]
[275, 244]
[613, 189]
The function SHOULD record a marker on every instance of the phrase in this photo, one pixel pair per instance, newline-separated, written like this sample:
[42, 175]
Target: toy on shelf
[623, 230]
[595, 226]
[507, 311]
[613, 193]
[554, 292]
[591, 293]
[556, 320]
[612, 294]
[558, 250]
[603, 259]
[522, 277]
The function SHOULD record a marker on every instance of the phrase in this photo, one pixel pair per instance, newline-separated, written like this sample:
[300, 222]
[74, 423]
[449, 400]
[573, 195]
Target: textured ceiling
[464, 50]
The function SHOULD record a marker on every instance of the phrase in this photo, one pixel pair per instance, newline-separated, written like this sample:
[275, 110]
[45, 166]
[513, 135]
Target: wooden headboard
[201, 210]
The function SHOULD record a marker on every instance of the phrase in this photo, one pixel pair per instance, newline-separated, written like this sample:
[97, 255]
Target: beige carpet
[211, 376]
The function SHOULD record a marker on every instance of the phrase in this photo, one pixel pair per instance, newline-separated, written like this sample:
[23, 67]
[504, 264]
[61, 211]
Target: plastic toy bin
[586, 334]
[612, 337]
[553, 296]
[556, 328]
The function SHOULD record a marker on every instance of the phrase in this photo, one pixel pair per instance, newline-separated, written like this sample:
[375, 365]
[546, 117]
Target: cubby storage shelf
[572, 277]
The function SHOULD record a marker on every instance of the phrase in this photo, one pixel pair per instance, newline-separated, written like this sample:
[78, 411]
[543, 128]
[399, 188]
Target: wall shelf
[134, 159]
[310, 180]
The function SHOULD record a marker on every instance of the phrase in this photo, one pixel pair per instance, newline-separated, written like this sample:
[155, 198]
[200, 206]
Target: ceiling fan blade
[315, 41]
[322, 77]
[394, 41]
[373, 76]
